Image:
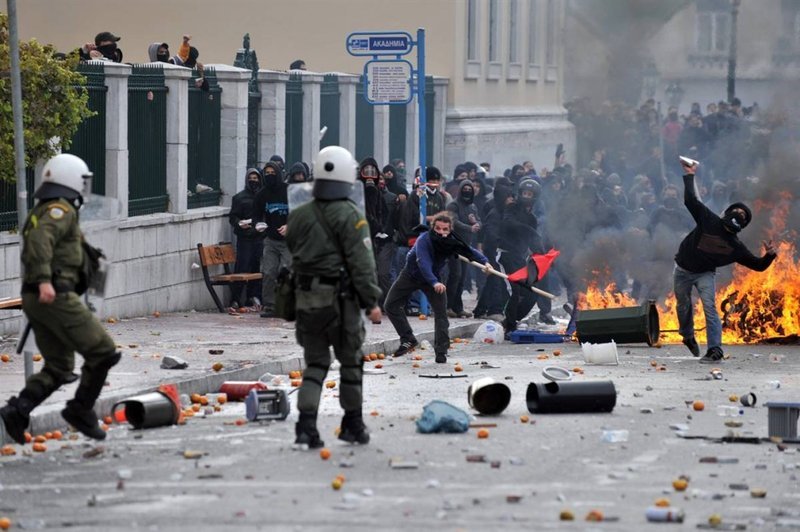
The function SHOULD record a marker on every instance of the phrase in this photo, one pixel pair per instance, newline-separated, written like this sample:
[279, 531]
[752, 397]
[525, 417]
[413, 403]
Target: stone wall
[151, 263]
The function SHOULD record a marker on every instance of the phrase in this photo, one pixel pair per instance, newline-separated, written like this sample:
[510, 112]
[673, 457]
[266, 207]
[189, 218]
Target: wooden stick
[504, 276]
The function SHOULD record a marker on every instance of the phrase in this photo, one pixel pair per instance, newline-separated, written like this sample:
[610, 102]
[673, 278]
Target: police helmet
[335, 171]
[530, 185]
[64, 176]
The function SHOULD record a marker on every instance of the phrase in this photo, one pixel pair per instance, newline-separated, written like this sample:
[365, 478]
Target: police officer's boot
[16, 416]
[79, 411]
[306, 431]
[353, 428]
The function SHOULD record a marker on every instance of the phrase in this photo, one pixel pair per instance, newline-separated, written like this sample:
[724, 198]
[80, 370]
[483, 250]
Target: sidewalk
[251, 346]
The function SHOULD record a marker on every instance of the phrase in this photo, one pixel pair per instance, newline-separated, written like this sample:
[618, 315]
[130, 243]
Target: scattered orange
[296, 382]
[423, 317]
[374, 413]
[39, 447]
[295, 374]
[196, 407]
[217, 408]
[577, 369]
[156, 314]
[663, 502]
[698, 405]
[483, 434]
[381, 356]
[365, 358]
[112, 320]
[414, 365]
[733, 398]
[557, 353]
[203, 400]
[188, 412]
[28, 437]
[654, 363]
[37, 357]
[524, 419]
[680, 484]
[341, 477]
[662, 368]
[4, 357]
[542, 357]
[108, 420]
[417, 357]
[222, 398]
[195, 398]
[594, 515]
[378, 366]
[373, 356]
[57, 435]
[458, 368]
[336, 484]
[330, 384]
[5, 523]
[40, 439]
[324, 453]
[566, 515]
[7, 450]
[240, 422]
[217, 366]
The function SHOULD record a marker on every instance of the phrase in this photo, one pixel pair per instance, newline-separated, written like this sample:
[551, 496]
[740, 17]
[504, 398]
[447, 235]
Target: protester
[249, 241]
[466, 224]
[104, 48]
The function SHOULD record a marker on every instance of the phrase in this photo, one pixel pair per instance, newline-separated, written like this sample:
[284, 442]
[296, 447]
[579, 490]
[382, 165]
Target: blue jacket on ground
[424, 264]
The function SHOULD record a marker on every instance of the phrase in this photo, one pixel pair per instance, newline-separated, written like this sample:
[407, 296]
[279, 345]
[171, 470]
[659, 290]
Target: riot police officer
[335, 277]
[53, 257]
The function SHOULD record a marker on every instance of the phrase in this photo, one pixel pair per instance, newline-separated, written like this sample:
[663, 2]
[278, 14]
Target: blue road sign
[379, 43]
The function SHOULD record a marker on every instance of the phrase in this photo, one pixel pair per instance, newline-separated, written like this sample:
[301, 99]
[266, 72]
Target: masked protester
[334, 272]
[104, 48]
[423, 271]
[270, 211]
[53, 257]
[711, 244]
[466, 225]
[249, 242]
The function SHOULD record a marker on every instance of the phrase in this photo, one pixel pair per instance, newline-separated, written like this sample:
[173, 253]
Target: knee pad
[110, 360]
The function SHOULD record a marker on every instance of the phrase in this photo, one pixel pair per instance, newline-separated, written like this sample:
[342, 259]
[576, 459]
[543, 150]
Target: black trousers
[455, 284]
[400, 291]
[522, 298]
[248, 260]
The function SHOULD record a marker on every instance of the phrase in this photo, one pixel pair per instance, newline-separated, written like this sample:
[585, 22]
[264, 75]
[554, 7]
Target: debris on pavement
[173, 362]
[401, 463]
[439, 416]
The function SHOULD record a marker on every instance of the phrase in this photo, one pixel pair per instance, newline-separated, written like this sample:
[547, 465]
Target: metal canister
[661, 514]
[238, 390]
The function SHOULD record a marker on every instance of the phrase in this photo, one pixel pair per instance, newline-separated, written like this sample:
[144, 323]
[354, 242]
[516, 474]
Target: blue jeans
[706, 286]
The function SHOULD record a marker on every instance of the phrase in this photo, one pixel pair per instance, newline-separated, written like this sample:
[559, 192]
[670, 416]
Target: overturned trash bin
[155, 409]
[624, 325]
[488, 396]
[566, 397]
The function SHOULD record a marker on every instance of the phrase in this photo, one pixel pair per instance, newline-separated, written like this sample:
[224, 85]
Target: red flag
[542, 263]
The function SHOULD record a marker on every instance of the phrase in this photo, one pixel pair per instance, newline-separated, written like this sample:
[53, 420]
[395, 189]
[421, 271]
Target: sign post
[390, 80]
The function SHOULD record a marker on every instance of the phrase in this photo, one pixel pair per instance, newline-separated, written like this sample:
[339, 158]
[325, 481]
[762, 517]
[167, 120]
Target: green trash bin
[624, 325]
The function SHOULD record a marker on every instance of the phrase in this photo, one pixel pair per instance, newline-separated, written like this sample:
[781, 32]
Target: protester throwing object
[711, 244]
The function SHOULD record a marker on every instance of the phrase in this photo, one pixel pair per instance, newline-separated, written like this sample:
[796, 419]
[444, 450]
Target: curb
[48, 417]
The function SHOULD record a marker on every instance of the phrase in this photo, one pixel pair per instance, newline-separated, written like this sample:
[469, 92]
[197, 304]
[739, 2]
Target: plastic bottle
[615, 436]
[729, 411]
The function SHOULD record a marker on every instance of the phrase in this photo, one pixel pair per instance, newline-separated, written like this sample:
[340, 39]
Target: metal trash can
[624, 325]
[566, 397]
[149, 410]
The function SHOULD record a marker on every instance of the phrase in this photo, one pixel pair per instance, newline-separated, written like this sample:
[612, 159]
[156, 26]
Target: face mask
[732, 222]
[271, 179]
[253, 186]
[526, 201]
[431, 190]
[671, 203]
[108, 51]
[467, 195]
[163, 58]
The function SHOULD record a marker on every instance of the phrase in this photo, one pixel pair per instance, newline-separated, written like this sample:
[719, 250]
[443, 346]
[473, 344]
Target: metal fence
[8, 201]
[147, 140]
[365, 124]
[89, 141]
[329, 110]
[294, 119]
[203, 149]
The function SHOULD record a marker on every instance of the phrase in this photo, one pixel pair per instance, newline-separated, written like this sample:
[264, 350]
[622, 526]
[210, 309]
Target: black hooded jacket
[374, 204]
[461, 210]
[710, 245]
[297, 168]
[242, 209]
[271, 204]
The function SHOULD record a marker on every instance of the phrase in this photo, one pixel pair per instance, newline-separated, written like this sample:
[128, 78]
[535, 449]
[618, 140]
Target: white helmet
[64, 176]
[335, 171]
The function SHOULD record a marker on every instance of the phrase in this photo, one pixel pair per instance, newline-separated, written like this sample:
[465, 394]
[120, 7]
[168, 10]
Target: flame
[754, 306]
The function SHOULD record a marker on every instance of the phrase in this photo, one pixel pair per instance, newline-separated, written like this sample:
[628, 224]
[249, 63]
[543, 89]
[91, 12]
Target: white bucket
[600, 353]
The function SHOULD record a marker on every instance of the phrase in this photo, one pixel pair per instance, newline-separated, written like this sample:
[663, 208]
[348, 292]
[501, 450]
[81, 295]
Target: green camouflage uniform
[324, 318]
[52, 252]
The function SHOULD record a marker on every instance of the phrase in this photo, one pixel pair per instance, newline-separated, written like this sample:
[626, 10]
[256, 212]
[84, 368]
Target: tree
[53, 101]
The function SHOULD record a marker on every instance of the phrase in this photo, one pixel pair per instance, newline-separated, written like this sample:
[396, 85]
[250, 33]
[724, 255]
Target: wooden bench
[9, 303]
[223, 255]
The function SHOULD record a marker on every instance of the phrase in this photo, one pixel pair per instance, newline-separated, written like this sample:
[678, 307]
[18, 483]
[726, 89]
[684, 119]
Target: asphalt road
[248, 477]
